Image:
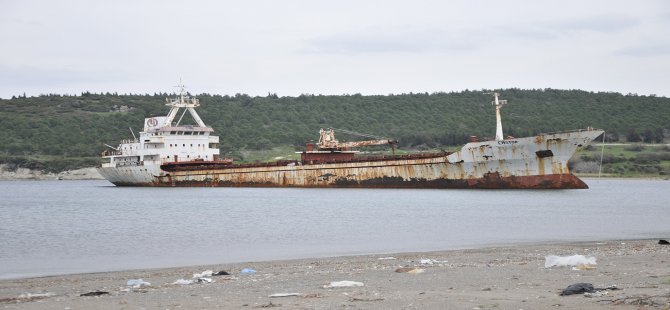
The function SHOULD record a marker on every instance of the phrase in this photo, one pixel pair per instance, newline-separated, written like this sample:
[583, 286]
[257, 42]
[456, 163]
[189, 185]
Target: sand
[509, 277]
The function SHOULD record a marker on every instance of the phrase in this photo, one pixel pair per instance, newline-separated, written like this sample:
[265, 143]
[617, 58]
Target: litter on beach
[587, 289]
[137, 283]
[578, 288]
[94, 293]
[221, 273]
[284, 295]
[410, 270]
[431, 261]
[36, 295]
[343, 284]
[574, 260]
[183, 282]
[584, 267]
[386, 258]
[595, 294]
[206, 273]
[248, 270]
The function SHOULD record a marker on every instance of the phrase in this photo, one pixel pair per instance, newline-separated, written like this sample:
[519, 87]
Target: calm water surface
[59, 227]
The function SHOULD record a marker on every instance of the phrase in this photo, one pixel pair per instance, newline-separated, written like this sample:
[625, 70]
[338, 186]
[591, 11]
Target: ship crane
[327, 142]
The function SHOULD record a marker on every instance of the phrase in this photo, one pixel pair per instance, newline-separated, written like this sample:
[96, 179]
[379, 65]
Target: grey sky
[332, 47]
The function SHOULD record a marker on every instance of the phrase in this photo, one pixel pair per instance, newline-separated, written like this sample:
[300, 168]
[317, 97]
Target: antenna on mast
[183, 101]
[182, 89]
[498, 104]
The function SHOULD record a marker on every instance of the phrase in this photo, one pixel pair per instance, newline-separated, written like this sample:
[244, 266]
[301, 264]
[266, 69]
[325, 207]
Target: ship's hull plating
[534, 162]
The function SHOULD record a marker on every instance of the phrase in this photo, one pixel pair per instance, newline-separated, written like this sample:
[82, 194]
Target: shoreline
[518, 244]
[24, 174]
[506, 277]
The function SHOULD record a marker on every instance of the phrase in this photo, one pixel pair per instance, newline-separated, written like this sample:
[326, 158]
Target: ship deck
[222, 165]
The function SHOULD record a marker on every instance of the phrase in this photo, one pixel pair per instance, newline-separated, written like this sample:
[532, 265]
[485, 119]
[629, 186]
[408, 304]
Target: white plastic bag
[574, 260]
[343, 284]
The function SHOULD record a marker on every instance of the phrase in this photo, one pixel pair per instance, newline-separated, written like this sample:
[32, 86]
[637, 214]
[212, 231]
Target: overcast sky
[332, 47]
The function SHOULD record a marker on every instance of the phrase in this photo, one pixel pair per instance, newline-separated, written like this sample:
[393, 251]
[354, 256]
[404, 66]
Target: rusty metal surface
[327, 141]
[170, 154]
[534, 162]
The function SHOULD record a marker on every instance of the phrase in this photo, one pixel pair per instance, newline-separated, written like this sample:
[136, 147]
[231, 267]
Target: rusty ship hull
[538, 162]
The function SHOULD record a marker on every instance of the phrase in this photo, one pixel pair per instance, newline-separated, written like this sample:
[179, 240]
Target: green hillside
[57, 132]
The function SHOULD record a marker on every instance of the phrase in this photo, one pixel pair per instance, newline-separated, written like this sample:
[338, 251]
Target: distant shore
[27, 174]
[507, 277]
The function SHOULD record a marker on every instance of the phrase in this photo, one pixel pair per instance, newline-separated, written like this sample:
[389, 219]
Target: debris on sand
[410, 270]
[206, 273]
[284, 295]
[578, 288]
[27, 297]
[95, 293]
[574, 260]
[337, 284]
[587, 289]
[137, 283]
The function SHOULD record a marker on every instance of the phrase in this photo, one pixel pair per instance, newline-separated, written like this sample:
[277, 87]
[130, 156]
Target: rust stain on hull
[492, 181]
[523, 163]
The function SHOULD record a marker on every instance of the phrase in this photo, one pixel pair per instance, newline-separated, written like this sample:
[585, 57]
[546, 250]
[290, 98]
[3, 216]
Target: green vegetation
[623, 160]
[60, 132]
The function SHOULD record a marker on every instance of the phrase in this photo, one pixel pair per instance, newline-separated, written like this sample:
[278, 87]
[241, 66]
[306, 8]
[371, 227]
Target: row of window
[146, 146]
[184, 145]
[183, 133]
[134, 159]
[189, 156]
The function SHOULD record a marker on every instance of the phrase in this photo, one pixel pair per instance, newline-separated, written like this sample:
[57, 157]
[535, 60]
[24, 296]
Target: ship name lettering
[508, 142]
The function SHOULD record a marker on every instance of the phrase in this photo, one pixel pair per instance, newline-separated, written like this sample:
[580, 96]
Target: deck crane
[327, 142]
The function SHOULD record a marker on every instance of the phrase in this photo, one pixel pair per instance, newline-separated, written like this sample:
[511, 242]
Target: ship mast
[498, 104]
[183, 101]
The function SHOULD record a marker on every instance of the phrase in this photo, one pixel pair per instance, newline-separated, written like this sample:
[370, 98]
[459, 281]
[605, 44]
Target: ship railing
[381, 158]
[110, 153]
[154, 140]
[128, 163]
[570, 131]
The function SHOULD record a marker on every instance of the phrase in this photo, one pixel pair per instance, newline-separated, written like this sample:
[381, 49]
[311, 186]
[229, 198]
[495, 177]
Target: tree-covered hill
[78, 126]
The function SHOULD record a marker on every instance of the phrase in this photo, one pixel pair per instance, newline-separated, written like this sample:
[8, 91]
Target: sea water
[61, 227]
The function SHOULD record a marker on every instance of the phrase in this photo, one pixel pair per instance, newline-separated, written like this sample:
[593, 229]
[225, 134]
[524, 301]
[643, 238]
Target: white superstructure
[161, 141]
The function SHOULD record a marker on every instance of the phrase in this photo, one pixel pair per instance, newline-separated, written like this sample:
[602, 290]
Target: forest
[57, 132]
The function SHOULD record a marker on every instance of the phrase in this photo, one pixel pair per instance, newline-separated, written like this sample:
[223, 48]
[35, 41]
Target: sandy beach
[509, 277]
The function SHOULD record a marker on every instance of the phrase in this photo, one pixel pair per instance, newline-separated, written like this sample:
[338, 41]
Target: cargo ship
[170, 154]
